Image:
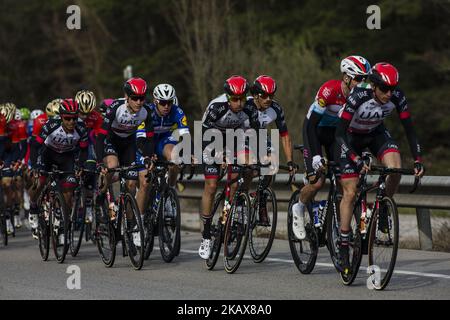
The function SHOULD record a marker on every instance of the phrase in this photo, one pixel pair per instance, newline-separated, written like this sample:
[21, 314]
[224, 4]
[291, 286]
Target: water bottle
[362, 221]
[316, 214]
[322, 205]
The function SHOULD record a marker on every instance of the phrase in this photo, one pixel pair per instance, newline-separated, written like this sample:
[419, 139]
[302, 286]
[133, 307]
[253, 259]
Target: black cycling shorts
[125, 150]
[63, 161]
[379, 142]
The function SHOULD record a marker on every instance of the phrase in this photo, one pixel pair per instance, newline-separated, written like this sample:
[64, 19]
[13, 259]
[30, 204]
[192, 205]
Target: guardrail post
[424, 226]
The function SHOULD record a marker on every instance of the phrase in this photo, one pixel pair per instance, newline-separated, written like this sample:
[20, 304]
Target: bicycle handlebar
[387, 170]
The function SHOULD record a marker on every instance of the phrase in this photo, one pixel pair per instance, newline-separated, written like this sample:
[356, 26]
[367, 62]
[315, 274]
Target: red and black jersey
[94, 121]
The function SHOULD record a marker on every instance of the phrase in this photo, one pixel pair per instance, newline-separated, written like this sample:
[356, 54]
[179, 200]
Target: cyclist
[228, 111]
[93, 121]
[63, 140]
[51, 112]
[116, 141]
[319, 128]
[167, 117]
[18, 185]
[269, 110]
[106, 103]
[360, 127]
[14, 152]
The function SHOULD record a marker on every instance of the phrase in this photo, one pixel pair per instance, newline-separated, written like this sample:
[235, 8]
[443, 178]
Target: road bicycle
[78, 223]
[162, 218]
[379, 224]
[120, 220]
[305, 251]
[53, 217]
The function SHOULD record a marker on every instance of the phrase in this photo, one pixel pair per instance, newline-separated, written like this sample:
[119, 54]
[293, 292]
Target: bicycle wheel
[43, 229]
[236, 232]
[77, 223]
[133, 231]
[383, 242]
[149, 235]
[3, 230]
[304, 252]
[216, 230]
[59, 227]
[355, 252]
[262, 233]
[105, 236]
[169, 225]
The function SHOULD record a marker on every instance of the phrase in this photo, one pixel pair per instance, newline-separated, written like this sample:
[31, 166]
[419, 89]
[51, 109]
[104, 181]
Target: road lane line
[403, 272]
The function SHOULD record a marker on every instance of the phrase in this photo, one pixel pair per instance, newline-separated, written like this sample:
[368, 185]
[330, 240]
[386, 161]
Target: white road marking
[403, 272]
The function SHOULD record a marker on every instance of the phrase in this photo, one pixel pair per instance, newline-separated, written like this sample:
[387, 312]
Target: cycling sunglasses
[137, 98]
[164, 103]
[359, 78]
[236, 98]
[384, 88]
[265, 96]
[69, 119]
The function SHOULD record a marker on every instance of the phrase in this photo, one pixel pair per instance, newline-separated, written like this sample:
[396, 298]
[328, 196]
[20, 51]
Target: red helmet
[135, 87]
[385, 74]
[236, 86]
[264, 84]
[68, 106]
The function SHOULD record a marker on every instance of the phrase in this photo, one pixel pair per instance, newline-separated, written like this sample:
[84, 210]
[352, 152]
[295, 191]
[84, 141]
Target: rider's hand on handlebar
[318, 163]
[292, 168]
[362, 165]
[419, 169]
[149, 162]
[103, 169]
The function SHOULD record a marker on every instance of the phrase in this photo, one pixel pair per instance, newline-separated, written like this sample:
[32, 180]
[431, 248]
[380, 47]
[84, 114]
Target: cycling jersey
[2, 125]
[218, 115]
[363, 116]
[93, 122]
[163, 128]
[56, 138]
[120, 123]
[274, 113]
[320, 122]
[38, 123]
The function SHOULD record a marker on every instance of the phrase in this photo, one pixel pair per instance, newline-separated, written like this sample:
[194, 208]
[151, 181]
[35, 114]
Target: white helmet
[164, 92]
[35, 113]
[355, 66]
[18, 115]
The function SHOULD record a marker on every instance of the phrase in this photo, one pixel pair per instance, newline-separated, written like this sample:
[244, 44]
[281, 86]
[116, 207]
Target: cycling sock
[207, 227]
[345, 238]
[16, 209]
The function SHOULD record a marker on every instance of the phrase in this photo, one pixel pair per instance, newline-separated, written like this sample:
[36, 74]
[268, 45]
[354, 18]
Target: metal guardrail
[432, 193]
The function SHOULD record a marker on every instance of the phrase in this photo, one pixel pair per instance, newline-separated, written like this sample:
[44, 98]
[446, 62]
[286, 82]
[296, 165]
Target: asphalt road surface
[418, 275]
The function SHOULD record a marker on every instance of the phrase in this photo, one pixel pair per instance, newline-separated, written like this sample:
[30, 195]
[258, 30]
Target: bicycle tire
[297, 247]
[105, 234]
[216, 231]
[77, 222]
[355, 247]
[169, 228]
[58, 212]
[149, 238]
[239, 227]
[43, 229]
[374, 239]
[3, 230]
[132, 249]
[255, 230]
